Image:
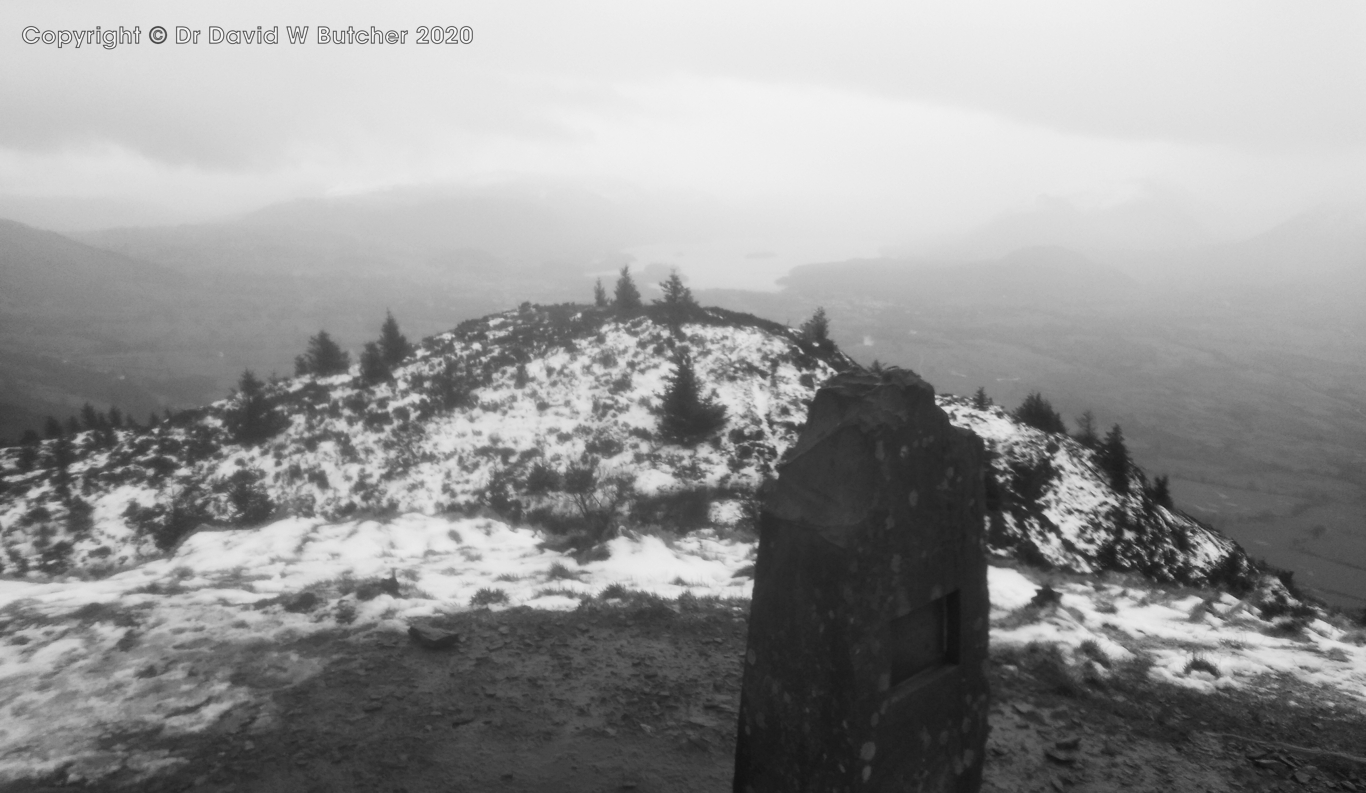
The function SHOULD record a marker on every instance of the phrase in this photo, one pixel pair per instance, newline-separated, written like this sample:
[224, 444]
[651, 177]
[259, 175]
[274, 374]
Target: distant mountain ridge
[1033, 275]
[548, 415]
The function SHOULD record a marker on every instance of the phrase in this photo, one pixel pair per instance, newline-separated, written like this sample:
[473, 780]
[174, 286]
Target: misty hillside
[167, 317]
[548, 415]
[1252, 398]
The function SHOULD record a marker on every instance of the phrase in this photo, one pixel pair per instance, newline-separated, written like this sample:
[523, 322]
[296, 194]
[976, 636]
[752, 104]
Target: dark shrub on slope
[685, 417]
[1038, 413]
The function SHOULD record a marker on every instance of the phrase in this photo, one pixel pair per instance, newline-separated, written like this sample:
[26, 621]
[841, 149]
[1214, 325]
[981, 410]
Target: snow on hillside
[130, 602]
[161, 646]
[1056, 508]
[463, 425]
[496, 416]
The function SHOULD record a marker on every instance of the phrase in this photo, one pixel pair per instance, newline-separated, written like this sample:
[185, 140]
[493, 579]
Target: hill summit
[550, 416]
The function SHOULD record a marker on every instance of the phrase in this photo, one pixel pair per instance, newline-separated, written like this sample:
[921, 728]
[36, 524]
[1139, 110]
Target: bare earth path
[642, 698]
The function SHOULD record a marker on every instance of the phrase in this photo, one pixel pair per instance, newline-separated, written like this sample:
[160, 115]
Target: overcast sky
[885, 123]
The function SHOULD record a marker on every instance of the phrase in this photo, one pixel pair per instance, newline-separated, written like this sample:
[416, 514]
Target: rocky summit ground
[640, 694]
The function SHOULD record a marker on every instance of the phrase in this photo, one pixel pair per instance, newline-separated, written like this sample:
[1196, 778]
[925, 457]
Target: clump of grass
[508, 577]
[1136, 669]
[1091, 649]
[744, 572]
[1290, 628]
[487, 597]
[346, 612]
[1199, 663]
[688, 603]
[552, 591]
[1107, 607]
[1202, 608]
[558, 572]
[614, 592]
[369, 588]
[650, 607]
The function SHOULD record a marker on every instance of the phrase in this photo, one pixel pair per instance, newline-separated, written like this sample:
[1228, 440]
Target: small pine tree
[817, 328]
[323, 358]
[115, 418]
[90, 417]
[1114, 459]
[600, 295]
[685, 417]
[373, 368]
[675, 293]
[451, 387]
[52, 428]
[251, 418]
[1037, 412]
[677, 300]
[393, 344]
[1086, 431]
[28, 450]
[980, 400]
[1160, 492]
[152, 420]
[250, 502]
[627, 295]
[73, 425]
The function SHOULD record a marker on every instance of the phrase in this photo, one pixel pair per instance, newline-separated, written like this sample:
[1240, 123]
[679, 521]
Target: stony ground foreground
[642, 697]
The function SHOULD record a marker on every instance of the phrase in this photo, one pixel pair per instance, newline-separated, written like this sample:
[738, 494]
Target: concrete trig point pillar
[866, 662]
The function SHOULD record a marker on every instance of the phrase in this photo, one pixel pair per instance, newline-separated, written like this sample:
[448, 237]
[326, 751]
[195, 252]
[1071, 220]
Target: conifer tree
[675, 293]
[62, 456]
[251, 418]
[52, 428]
[627, 295]
[373, 368]
[73, 425]
[28, 451]
[323, 358]
[599, 295]
[677, 299]
[1038, 413]
[1160, 492]
[393, 345]
[90, 417]
[685, 417]
[1086, 431]
[115, 418]
[980, 400]
[152, 420]
[451, 387]
[817, 328]
[1114, 459]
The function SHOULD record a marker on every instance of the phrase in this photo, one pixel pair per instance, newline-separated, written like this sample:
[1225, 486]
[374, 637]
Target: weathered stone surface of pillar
[866, 661]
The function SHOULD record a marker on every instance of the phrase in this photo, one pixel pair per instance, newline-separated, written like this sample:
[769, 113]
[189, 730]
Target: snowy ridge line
[552, 386]
[490, 417]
